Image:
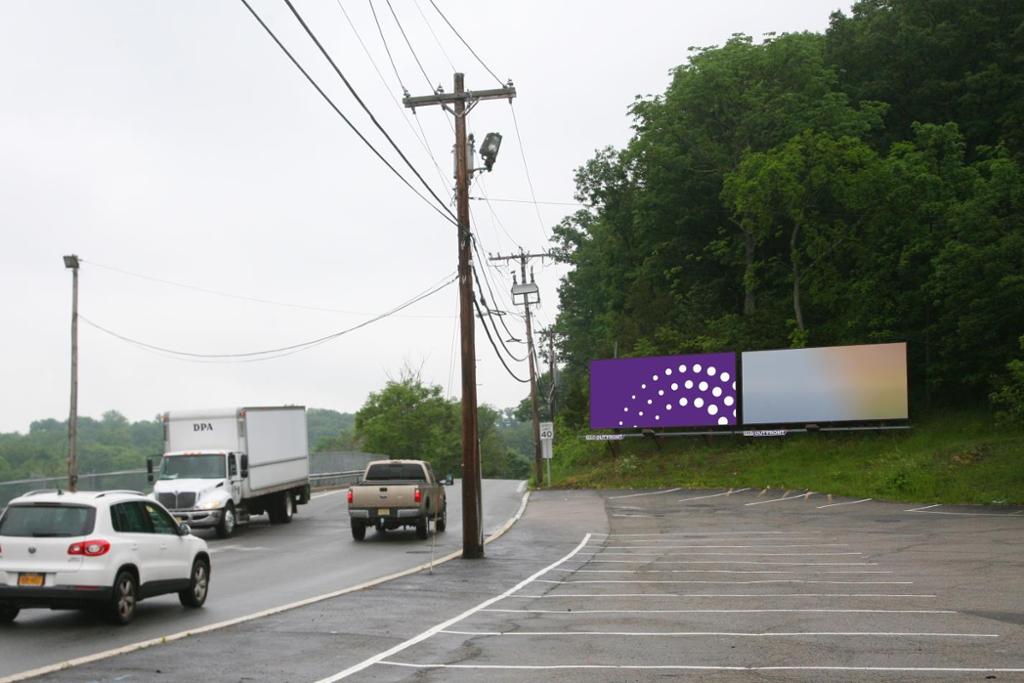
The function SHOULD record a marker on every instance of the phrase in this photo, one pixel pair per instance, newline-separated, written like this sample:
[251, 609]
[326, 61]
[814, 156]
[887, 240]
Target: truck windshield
[206, 466]
[392, 471]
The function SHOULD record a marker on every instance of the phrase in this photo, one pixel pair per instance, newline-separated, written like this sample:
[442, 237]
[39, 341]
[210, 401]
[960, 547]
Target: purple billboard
[695, 390]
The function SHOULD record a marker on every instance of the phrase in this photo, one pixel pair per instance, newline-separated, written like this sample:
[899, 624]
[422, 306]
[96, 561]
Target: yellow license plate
[383, 511]
[35, 580]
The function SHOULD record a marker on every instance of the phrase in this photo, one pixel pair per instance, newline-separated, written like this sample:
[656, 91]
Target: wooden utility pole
[525, 290]
[72, 263]
[461, 102]
[552, 367]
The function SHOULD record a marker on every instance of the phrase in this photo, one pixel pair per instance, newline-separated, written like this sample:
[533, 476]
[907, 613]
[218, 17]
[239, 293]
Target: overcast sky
[174, 140]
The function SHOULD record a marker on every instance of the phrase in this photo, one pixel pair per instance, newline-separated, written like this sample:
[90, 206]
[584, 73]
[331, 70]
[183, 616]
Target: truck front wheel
[226, 526]
[358, 529]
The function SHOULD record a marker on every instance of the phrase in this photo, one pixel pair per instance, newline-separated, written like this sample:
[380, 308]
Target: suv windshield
[48, 520]
[207, 466]
[395, 471]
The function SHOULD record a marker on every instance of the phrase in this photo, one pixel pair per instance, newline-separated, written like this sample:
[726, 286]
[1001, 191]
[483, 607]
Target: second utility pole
[461, 102]
[527, 290]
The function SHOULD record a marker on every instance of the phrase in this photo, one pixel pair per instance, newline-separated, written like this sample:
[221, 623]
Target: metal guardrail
[135, 480]
[326, 479]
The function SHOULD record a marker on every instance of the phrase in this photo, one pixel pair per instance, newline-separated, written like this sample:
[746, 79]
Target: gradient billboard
[693, 390]
[831, 384]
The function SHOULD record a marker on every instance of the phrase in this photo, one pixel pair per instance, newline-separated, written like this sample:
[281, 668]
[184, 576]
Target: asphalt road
[643, 586]
[261, 567]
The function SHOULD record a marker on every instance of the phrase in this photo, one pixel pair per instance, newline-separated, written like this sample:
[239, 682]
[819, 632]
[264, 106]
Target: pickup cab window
[387, 471]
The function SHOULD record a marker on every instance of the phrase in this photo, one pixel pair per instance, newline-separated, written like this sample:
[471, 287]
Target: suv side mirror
[245, 466]
[449, 480]
[149, 470]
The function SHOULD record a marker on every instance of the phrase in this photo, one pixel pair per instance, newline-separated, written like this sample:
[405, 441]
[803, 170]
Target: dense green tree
[935, 61]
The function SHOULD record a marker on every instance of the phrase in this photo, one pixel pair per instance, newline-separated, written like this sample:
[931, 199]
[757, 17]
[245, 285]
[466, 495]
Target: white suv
[96, 549]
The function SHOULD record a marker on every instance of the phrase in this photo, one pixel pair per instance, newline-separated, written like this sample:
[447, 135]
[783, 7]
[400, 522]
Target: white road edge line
[849, 502]
[647, 493]
[723, 595]
[697, 667]
[366, 663]
[562, 612]
[88, 659]
[728, 634]
[926, 507]
[329, 493]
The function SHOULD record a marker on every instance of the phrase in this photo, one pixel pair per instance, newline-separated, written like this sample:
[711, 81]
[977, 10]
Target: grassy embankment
[948, 458]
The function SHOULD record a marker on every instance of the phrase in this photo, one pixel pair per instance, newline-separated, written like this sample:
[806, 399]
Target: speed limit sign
[547, 431]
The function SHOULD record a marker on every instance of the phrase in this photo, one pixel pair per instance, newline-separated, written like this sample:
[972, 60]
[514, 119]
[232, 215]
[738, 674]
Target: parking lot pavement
[754, 585]
[747, 585]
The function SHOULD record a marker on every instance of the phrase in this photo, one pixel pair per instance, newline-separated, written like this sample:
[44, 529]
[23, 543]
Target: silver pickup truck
[397, 493]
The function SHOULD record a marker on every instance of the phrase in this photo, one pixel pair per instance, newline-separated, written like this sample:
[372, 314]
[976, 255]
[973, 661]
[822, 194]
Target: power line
[229, 295]
[362, 104]
[487, 282]
[422, 136]
[380, 30]
[471, 50]
[431, 29]
[487, 331]
[525, 201]
[529, 180]
[490, 316]
[444, 211]
[409, 45]
[281, 351]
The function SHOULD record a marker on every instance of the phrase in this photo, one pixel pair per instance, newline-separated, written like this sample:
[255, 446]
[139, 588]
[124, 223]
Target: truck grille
[180, 501]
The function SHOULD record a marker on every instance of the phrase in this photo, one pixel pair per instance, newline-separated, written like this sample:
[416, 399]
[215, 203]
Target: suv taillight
[350, 495]
[418, 496]
[93, 548]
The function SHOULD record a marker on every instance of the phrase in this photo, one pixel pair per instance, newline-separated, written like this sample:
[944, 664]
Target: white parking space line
[712, 533]
[797, 610]
[728, 547]
[926, 507]
[697, 667]
[672, 571]
[798, 496]
[964, 514]
[647, 493]
[724, 595]
[713, 495]
[732, 554]
[439, 628]
[849, 502]
[751, 562]
[729, 634]
[739, 583]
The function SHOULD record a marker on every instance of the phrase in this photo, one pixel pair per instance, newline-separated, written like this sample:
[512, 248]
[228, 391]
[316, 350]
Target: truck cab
[196, 486]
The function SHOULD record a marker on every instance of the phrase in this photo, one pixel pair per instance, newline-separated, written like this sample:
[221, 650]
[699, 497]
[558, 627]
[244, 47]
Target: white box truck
[222, 466]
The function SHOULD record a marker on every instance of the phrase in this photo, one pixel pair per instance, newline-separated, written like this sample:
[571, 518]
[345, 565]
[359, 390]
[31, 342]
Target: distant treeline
[405, 419]
[860, 186]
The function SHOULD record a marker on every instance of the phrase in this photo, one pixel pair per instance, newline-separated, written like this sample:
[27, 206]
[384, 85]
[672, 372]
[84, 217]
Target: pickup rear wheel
[421, 527]
[8, 614]
[441, 522]
[358, 529]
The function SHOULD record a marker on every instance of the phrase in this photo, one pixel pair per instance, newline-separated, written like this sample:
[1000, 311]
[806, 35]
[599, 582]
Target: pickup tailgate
[384, 495]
